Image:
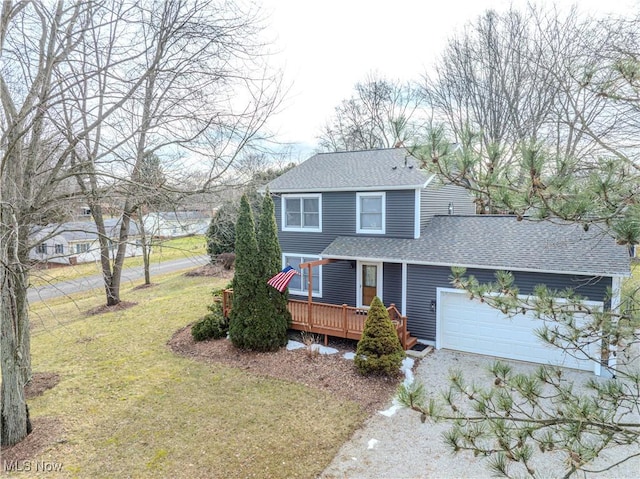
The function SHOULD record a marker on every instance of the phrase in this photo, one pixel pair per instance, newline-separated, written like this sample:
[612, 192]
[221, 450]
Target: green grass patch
[132, 408]
[165, 250]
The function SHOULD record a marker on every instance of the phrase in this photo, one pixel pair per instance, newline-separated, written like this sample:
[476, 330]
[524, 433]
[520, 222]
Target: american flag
[281, 280]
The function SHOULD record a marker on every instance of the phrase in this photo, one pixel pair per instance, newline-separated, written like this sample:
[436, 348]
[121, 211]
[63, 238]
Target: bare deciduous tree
[86, 90]
[189, 91]
[30, 179]
[381, 114]
[522, 78]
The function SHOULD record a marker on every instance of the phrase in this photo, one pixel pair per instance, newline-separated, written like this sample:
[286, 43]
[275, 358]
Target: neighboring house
[396, 231]
[173, 224]
[77, 242]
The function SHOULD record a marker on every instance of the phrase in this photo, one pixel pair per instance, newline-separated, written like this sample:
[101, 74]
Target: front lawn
[128, 407]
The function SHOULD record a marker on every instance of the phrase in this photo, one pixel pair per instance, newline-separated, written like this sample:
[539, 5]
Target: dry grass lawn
[128, 407]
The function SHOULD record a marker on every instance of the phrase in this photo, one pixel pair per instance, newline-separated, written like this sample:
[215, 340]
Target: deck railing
[332, 319]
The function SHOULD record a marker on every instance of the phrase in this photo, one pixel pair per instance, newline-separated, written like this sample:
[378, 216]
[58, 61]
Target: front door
[370, 282]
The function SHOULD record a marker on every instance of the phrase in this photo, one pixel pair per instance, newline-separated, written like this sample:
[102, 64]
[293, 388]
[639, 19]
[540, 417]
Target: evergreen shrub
[379, 351]
[213, 326]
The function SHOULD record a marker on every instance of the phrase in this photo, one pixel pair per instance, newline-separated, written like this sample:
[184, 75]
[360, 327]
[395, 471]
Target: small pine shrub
[379, 350]
[213, 326]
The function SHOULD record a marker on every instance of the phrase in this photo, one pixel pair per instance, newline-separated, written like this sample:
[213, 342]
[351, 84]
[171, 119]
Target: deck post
[345, 327]
[226, 303]
[404, 331]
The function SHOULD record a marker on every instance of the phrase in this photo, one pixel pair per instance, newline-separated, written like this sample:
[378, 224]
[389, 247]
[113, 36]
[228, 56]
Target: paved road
[41, 293]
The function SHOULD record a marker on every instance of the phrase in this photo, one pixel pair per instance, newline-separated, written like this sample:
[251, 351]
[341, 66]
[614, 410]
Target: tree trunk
[111, 285]
[14, 322]
[146, 247]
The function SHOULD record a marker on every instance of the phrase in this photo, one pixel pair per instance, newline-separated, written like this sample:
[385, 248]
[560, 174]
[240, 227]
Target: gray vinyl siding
[400, 214]
[392, 284]
[338, 284]
[339, 219]
[435, 199]
[422, 282]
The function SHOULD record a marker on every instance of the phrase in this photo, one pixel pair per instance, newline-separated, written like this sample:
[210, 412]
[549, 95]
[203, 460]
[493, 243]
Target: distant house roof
[85, 230]
[496, 242]
[362, 170]
[181, 215]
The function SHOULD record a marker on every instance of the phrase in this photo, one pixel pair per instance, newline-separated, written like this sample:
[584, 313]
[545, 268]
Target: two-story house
[373, 223]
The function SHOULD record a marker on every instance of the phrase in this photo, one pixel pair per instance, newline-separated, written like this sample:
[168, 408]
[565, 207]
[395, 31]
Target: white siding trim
[616, 300]
[404, 289]
[616, 292]
[416, 215]
[302, 190]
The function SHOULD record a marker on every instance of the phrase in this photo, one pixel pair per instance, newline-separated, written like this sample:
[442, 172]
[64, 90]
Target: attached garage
[471, 326]
[559, 256]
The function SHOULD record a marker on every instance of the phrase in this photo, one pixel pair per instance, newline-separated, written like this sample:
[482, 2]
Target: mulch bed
[46, 430]
[331, 373]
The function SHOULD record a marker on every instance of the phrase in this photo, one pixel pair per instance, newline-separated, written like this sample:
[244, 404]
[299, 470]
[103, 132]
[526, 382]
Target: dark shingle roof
[362, 170]
[496, 242]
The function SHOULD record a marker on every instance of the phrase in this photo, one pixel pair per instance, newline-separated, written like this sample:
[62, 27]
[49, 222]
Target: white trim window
[300, 283]
[302, 212]
[370, 213]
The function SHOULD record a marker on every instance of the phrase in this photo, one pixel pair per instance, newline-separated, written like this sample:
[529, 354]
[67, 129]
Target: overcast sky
[326, 46]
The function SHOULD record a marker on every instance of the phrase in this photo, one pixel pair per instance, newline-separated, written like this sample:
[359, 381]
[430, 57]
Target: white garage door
[471, 326]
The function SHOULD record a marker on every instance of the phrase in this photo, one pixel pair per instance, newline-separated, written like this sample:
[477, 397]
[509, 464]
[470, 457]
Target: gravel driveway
[400, 446]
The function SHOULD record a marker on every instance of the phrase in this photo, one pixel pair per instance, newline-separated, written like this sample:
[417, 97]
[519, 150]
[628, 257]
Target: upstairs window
[41, 248]
[59, 248]
[302, 213]
[370, 213]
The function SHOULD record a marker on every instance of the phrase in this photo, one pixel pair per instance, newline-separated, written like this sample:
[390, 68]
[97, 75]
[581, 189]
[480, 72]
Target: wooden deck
[340, 321]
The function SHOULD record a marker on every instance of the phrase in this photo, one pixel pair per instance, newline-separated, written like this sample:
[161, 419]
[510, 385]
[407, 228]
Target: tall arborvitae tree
[246, 283]
[276, 318]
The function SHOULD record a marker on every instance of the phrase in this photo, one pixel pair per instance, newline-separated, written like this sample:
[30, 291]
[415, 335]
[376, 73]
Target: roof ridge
[358, 151]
